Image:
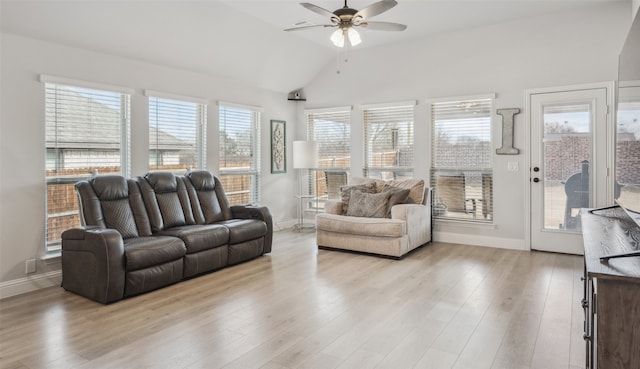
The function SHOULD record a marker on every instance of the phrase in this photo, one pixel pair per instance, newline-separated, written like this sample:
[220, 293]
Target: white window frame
[53, 246]
[254, 170]
[389, 109]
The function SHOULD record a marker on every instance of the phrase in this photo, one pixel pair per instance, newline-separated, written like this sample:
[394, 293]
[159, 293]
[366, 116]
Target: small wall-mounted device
[296, 96]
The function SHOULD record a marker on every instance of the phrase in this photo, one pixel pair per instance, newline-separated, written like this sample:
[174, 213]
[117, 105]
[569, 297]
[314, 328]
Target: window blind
[388, 142]
[461, 168]
[176, 134]
[331, 129]
[86, 133]
[240, 153]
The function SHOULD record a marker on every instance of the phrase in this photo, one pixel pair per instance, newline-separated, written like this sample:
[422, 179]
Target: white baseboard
[475, 240]
[31, 283]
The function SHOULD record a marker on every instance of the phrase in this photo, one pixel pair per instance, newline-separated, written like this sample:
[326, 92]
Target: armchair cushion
[398, 196]
[371, 205]
[415, 186]
[345, 193]
[333, 207]
[373, 227]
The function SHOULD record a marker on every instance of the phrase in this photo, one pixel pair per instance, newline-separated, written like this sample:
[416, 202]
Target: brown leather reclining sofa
[148, 232]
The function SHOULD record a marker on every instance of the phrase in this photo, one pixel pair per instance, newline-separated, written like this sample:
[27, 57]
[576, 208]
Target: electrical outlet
[512, 166]
[30, 266]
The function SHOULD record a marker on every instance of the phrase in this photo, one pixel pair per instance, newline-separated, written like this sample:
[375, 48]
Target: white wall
[506, 59]
[22, 186]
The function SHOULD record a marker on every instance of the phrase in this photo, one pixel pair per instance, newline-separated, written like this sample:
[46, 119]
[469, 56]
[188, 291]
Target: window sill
[466, 223]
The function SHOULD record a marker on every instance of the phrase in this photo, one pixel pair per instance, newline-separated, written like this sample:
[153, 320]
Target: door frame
[610, 146]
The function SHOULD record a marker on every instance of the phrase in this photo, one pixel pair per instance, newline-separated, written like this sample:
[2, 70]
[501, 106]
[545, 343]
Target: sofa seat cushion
[200, 237]
[241, 230]
[145, 252]
[380, 227]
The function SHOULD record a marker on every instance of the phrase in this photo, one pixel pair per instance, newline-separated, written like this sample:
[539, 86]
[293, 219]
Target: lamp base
[301, 227]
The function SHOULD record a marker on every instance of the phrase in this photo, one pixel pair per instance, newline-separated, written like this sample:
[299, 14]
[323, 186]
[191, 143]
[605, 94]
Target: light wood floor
[444, 306]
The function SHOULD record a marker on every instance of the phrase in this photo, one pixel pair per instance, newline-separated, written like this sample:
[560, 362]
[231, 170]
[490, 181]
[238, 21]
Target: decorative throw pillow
[345, 193]
[398, 196]
[370, 205]
[379, 183]
[415, 186]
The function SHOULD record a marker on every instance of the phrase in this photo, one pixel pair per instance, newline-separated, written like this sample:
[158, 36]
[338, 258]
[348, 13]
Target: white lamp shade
[305, 154]
[337, 37]
[354, 37]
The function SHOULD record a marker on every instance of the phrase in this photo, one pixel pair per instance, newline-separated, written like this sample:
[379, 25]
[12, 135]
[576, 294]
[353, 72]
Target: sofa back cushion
[107, 202]
[201, 187]
[166, 199]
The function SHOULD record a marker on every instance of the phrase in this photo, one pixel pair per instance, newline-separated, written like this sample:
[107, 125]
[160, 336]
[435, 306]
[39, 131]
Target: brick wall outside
[628, 162]
[563, 158]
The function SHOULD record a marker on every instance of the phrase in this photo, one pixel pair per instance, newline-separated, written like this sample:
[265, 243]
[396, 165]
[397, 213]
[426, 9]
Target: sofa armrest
[256, 212]
[333, 207]
[93, 263]
[418, 218]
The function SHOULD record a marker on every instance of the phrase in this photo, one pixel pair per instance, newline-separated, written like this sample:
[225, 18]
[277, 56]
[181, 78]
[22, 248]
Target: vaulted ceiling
[243, 39]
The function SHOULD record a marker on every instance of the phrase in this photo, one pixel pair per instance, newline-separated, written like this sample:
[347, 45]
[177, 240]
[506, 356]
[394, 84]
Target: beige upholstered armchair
[390, 229]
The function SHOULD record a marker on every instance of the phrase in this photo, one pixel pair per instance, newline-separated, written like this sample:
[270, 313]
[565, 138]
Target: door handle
[536, 180]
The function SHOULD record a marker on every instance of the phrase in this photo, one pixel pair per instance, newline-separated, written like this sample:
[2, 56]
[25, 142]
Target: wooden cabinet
[612, 290]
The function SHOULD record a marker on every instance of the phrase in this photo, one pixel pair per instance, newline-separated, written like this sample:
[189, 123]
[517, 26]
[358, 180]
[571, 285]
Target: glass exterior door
[568, 165]
[567, 148]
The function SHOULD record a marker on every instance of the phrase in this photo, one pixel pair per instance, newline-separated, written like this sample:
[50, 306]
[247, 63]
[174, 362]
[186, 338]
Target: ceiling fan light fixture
[354, 36]
[337, 37]
[346, 18]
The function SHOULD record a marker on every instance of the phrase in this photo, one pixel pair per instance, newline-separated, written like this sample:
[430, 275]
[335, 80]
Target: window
[388, 141]
[240, 153]
[331, 129]
[176, 134]
[461, 172]
[87, 133]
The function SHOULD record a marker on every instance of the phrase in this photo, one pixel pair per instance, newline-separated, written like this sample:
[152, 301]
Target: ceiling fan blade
[375, 9]
[307, 27]
[322, 11]
[383, 26]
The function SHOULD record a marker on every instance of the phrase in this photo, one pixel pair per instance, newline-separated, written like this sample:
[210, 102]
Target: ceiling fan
[347, 18]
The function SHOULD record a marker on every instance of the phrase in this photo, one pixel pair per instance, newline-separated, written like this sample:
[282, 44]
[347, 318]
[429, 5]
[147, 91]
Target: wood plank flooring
[444, 306]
